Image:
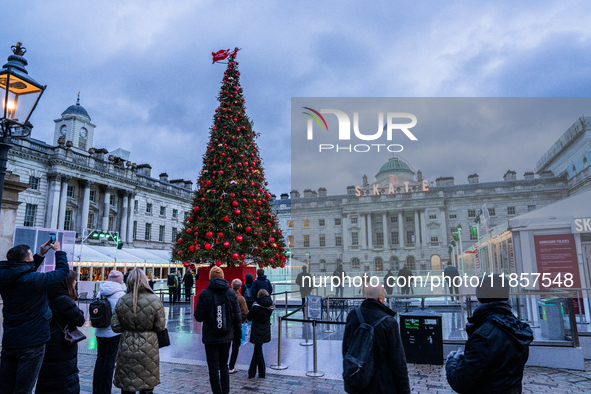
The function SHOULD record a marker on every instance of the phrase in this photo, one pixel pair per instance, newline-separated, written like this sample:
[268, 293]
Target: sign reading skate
[344, 132]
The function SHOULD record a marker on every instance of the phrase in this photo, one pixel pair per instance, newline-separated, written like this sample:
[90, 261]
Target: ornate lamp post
[19, 94]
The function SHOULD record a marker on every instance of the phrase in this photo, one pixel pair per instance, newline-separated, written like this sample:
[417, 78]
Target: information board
[557, 254]
[314, 307]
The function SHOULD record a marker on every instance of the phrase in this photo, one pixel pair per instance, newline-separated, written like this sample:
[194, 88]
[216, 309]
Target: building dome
[395, 166]
[76, 109]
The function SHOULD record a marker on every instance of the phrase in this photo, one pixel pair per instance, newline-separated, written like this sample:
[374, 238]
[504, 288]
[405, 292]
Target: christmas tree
[231, 221]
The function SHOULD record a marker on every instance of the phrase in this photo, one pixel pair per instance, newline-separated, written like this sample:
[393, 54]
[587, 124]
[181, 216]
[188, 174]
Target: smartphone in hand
[52, 238]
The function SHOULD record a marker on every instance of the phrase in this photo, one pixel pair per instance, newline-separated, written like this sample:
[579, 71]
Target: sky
[146, 79]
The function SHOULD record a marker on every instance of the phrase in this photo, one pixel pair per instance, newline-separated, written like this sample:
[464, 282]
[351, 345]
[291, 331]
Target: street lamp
[19, 94]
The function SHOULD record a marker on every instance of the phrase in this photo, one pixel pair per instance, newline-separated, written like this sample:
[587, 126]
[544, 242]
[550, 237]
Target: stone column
[424, 236]
[443, 231]
[369, 231]
[85, 205]
[400, 229]
[123, 232]
[417, 228]
[106, 210]
[363, 227]
[385, 228]
[53, 198]
[63, 200]
[345, 223]
[130, 219]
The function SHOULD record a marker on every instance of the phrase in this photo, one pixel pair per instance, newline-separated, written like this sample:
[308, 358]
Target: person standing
[304, 281]
[260, 332]
[218, 330]
[451, 272]
[59, 371]
[126, 275]
[407, 274]
[26, 314]
[390, 371]
[188, 281]
[262, 283]
[172, 282]
[248, 291]
[179, 286]
[339, 273]
[236, 285]
[497, 347]
[138, 316]
[389, 281]
[107, 341]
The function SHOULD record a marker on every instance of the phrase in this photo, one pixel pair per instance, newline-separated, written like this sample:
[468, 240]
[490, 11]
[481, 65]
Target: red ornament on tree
[207, 246]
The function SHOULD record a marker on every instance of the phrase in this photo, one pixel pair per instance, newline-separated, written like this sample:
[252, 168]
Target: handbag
[71, 336]
[163, 338]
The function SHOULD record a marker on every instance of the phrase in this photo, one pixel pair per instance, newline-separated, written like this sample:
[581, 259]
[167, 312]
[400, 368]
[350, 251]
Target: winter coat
[340, 274]
[138, 360]
[243, 307]
[261, 283]
[390, 372]
[188, 280]
[495, 353]
[260, 315]
[176, 281]
[451, 271]
[389, 289]
[306, 286]
[26, 312]
[112, 291]
[248, 285]
[405, 273]
[59, 371]
[205, 308]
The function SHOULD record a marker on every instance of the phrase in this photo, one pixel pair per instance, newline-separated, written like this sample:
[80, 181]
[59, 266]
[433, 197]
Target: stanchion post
[315, 373]
[286, 312]
[328, 330]
[278, 365]
[306, 343]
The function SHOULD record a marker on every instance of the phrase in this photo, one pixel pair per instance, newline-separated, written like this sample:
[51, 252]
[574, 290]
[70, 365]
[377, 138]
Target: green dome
[395, 166]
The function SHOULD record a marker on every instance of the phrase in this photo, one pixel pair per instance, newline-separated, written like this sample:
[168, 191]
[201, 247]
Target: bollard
[286, 312]
[316, 373]
[328, 330]
[278, 365]
[306, 343]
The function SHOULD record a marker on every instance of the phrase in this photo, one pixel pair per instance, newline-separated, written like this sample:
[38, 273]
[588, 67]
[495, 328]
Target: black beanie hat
[493, 289]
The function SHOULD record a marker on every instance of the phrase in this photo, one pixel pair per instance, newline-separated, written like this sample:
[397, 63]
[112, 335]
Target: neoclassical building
[399, 218]
[79, 187]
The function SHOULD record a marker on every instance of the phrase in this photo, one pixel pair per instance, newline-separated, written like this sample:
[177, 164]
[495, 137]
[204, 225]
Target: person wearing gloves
[260, 332]
[107, 341]
[497, 347]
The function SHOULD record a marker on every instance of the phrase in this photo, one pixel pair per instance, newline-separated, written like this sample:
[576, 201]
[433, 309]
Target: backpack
[222, 314]
[358, 363]
[248, 293]
[100, 312]
[171, 280]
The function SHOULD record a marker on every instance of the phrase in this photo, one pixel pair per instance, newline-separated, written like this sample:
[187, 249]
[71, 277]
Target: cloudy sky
[145, 75]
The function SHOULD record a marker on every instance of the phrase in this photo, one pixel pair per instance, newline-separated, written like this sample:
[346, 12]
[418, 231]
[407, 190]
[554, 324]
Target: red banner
[556, 257]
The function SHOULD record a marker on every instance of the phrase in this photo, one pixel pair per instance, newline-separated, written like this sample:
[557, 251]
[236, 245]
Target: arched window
[378, 264]
[436, 262]
[322, 265]
[394, 263]
[355, 263]
[410, 263]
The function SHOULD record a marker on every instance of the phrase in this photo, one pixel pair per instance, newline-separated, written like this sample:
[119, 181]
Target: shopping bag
[245, 333]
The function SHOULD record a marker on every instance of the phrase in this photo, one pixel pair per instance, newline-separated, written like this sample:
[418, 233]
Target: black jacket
[260, 315]
[204, 311]
[392, 282]
[451, 271]
[495, 354]
[261, 283]
[59, 372]
[306, 286]
[390, 372]
[23, 291]
[188, 280]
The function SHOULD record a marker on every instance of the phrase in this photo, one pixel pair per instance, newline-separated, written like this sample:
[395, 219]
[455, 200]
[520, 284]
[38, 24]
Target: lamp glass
[22, 96]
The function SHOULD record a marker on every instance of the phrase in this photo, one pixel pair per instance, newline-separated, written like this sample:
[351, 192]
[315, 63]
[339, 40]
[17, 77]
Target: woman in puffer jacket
[59, 372]
[260, 332]
[138, 315]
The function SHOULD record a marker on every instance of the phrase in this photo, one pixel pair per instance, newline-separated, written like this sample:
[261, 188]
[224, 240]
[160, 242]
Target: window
[322, 240]
[434, 235]
[34, 182]
[491, 211]
[510, 210]
[148, 208]
[355, 263]
[306, 241]
[322, 265]
[337, 221]
[111, 223]
[112, 200]
[354, 220]
[394, 219]
[378, 264]
[175, 213]
[136, 204]
[394, 238]
[90, 223]
[338, 240]
[290, 241]
[306, 223]
[148, 231]
[30, 213]
[174, 231]
[379, 239]
[321, 222]
[432, 215]
[70, 192]
[92, 196]
[290, 223]
[161, 234]
[135, 229]
[471, 213]
[531, 208]
[410, 263]
[453, 214]
[410, 237]
[162, 211]
[355, 238]
[68, 220]
[410, 219]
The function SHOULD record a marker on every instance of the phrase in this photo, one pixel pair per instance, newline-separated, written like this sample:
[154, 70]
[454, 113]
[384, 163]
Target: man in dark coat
[26, 314]
[262, 283]
[172, 281]
[217, 343]
[405, 273]
[451, 272]
[260, 315]
[304, 284]
[497, 347]
[390, 372]
[189, 281]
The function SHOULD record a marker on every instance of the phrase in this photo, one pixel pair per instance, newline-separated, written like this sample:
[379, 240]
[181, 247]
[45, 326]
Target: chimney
[163, 177]
[144, 169]
[350, 189]
[189, 185]
[444, 181]
[473, 178]
[547, 174]
[322, 192]
[273, 197]
[284, 196]
[295, 194]
[308, 193]
[528, 175]
[510, 176]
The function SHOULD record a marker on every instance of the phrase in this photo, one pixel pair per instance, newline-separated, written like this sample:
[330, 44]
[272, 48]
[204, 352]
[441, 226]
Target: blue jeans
[102, 380]
[19, 369]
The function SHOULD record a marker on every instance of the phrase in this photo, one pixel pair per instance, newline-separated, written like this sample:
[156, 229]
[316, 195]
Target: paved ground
[189, 378]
